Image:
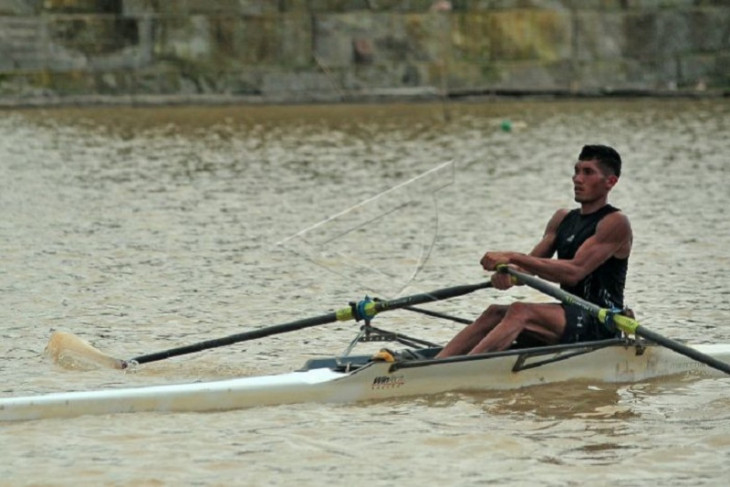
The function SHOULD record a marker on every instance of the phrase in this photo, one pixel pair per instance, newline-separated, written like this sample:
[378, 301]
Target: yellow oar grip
[344, 314]
[368, 310]
[626, 324]
[623, 323]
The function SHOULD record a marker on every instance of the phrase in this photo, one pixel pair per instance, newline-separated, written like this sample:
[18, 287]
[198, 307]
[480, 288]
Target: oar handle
[624, 323]
[367, 311]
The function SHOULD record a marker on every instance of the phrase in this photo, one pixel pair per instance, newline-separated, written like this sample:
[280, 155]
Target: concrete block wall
[330, 50]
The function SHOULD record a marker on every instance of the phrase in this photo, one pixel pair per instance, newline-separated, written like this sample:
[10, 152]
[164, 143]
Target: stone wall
[334, 50]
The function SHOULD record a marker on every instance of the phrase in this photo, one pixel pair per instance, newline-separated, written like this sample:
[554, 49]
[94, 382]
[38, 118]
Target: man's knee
[489, 318]
[518, 311]
[494, 311]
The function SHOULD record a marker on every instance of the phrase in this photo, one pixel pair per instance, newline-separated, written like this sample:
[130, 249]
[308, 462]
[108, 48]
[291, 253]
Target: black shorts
[581, 326]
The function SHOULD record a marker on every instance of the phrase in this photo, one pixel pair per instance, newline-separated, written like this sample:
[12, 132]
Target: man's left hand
[491, 260]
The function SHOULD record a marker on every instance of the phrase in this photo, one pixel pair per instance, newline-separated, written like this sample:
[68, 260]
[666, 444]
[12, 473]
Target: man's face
[590, 183]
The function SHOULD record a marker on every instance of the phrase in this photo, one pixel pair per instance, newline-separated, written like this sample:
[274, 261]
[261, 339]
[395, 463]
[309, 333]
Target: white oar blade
[72, 352]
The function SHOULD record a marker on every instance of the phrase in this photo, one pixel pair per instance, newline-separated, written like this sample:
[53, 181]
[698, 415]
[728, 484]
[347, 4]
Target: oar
[363, 310]
[624, 323]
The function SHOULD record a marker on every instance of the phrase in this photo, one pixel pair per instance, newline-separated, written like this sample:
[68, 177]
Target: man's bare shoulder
[616, 228]
[616, 220]
[557, 219]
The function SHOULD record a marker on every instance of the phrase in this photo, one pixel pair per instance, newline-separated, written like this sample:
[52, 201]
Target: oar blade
[71, 352]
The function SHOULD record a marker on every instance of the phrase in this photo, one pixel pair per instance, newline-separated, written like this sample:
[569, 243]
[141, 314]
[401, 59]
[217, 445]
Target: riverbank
[384, 96]
[146, 52]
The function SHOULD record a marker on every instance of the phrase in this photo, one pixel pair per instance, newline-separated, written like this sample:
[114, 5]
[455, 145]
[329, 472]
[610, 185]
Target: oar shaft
[344, 314]
[436, 314]
[438, 295]
[553, 291]
[236, 338]
[683, 349]
[628, 325]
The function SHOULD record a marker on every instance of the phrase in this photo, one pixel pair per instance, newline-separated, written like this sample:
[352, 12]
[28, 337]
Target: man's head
[607, 157]
[596, 173]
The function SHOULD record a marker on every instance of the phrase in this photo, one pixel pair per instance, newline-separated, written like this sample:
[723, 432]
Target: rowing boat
[387, 375]
[364, 378]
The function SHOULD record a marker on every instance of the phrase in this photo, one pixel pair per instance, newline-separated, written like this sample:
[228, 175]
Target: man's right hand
[502, 280]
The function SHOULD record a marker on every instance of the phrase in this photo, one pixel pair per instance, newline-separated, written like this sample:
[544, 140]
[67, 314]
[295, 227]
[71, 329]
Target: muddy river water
[140, 229]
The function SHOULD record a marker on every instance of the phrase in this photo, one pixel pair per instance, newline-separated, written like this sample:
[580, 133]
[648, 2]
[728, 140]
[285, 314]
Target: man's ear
[611, 181]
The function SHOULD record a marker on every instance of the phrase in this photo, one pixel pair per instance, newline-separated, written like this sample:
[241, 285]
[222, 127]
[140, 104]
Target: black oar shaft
[437, 314]
[553, 291]
[236, 338]
[438, 295]
[344, 314]
[625, 323]
[683, 349]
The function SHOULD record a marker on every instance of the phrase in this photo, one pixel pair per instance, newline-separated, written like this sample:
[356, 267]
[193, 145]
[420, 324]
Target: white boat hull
[376, 380]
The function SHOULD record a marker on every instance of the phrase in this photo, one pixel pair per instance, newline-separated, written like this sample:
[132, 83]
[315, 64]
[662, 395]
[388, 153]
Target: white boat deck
[375, 380]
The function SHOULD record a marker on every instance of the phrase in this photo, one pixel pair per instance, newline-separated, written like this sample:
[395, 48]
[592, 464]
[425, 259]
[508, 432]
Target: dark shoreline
[382, 96]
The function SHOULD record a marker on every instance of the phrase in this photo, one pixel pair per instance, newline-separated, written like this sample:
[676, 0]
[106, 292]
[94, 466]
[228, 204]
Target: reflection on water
[582, 400]
[141, 229]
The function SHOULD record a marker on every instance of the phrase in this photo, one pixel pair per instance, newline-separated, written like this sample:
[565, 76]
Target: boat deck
[522, 351]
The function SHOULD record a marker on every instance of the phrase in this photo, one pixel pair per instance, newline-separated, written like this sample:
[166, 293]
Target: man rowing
[593, 244]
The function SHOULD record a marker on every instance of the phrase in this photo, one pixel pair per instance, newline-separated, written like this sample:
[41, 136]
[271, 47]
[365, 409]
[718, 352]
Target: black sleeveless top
[605, 285]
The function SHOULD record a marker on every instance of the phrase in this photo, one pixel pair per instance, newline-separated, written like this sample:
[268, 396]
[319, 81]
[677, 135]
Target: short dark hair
[605, 155]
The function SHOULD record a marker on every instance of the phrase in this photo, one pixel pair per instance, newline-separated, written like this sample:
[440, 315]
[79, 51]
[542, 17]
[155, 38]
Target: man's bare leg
[470, 336]
[546, 321]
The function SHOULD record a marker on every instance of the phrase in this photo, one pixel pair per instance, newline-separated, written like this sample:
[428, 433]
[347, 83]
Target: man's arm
[545, 248]
[613, 237]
